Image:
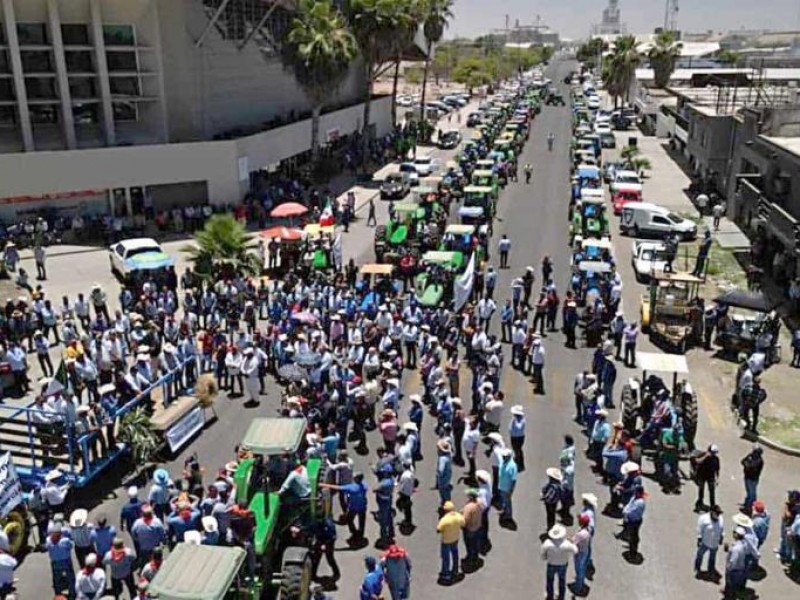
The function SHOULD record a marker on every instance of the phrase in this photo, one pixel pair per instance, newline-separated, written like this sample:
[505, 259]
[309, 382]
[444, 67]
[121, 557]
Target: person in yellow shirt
[449, 528]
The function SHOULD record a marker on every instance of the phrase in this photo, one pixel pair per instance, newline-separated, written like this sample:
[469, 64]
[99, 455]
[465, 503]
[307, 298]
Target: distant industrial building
[610, 23]
[519, 35]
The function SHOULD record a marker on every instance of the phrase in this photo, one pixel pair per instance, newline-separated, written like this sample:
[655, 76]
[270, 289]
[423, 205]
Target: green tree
[319, 50]
[629, 153]
[410, 15]
[589, 51]
[619, 67]
[664, 53]
[436, 16]
[374, 24]
[472, 72]
[223, 248]
[729, 57]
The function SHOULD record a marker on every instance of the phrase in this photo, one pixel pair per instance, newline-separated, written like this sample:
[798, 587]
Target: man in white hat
[82, 532]
[551, 495]
[557, 551]
[210, 535]
[516, 433]
[507, 476]
[536, 354]
[249, 371]
[91, 581]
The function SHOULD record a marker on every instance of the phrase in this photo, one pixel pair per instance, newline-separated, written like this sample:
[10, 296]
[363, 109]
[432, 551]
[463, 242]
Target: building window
[8, 115]
[122, 61]
[7, 90]
[32, 34]
[79, 61]
[36, 61]
[2, 34]
[83, 87]
[75, 34]
[40, 87]
[119, 35]
[125, 111]
[124, 86]
[86, 114]
[44, 115]
[5, 66]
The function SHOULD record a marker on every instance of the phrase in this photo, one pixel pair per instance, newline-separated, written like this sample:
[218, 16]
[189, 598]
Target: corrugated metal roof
[274, 436]
[193, 572]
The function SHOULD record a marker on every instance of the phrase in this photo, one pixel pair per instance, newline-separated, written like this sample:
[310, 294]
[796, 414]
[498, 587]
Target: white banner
[10, 486]
[463, 285]
[337, 251]
[183, 430]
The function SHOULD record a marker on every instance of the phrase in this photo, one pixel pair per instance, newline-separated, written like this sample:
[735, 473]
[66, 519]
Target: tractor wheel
[690, 418]
[15, 528]
[295, 575]
[629, 409]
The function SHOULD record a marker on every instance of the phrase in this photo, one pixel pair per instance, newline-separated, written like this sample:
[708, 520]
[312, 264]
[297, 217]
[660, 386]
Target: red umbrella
[288, 209]
[283, 233]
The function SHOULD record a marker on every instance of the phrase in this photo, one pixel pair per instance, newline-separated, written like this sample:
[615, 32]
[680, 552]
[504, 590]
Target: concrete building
[610, 23]
[104, 103]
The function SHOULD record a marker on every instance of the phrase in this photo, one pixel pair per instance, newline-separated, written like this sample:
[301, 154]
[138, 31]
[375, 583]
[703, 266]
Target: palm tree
[222, 249]
[319, 50]
[619, 67]
[663, 55]
[373, 23]
[437, 16]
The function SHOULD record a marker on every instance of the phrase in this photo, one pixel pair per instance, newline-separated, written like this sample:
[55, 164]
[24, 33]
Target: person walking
[120, 561]
[710, 532]
[39, 255]
[372, 584]
[91, 581]
[752, 466]
[59, 551]
[556, 551]
[528, 172]
[507, 482]
[397, 570]
[707, 467]
[632, 518]
[717, 212]
[504, 247]
[702, 255]
[355, 494]
[449, 529]
[551, 494]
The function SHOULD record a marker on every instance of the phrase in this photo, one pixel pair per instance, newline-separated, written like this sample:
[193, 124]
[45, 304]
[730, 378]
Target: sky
[574, 18]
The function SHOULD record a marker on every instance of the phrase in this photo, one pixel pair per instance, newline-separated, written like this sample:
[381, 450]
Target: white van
[643, 219]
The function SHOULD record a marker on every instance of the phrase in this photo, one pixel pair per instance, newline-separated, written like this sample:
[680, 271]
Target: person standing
[717, 211]
[148, 533]
[59, 551]
[752, 466]
[507, 482]
[504, 248]
[556, 552]
[372, 584]
[472, 528]
[397, 571]
[632, 518]
[449, 529]
[583, 543]
[91, 581]
[516, 432]
[120, 561]
[551, 494]
[39, 255]
[707, 467]
[702, 255]
[405, 490]
[629, 335]
[710, 532]
[537, 355]
[736, 565]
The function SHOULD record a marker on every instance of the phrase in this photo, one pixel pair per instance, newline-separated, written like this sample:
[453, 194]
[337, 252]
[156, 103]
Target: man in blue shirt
[130, 511]
[632, 517]
[356, 496]
[372, 585]
[384, 494]
[59, 550]
[506, 484]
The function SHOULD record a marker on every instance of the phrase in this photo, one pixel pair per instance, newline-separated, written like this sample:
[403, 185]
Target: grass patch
[724, 268]
[783, 431]
[692, 216]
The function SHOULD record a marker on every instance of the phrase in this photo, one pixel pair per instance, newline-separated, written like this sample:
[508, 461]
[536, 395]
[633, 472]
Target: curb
[66, 253]
[788, 450]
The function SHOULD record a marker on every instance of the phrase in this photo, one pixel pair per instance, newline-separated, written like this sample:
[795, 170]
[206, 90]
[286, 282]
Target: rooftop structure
[610, 23]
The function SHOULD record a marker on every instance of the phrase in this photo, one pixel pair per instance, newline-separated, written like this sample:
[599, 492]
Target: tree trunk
[316, 114]
[367, 106]
[422, 110]
[394, 92]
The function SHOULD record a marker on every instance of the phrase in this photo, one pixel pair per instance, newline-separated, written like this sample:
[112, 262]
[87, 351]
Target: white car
[647, 257]
[602, 127]
[426, 165]
[628, 179]
[409, 171]
[138, 254]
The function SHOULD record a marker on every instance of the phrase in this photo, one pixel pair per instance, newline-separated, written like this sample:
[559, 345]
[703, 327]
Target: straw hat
[53, 475]
[210, 524]
[558, 532]
[589, 498]
[108, 388]
[517, 410]
[78, 517]
[743, 520]
[556, 474]
[410, 426]
[495, 437]
[629, 467]
[193, 537]
[483, 476]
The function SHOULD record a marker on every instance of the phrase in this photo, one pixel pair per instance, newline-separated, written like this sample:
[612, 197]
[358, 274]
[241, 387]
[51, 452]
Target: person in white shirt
[493, 413]
[233, 363]
[90, 584]
[557, 551]
[405, 489]
[7, 565]
[537, 354]
[486, 308]
[710, 532]
[470, 443]
[250, 373]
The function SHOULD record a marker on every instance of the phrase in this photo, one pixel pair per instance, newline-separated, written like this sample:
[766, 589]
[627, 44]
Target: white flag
[337, 251]
[463, 285]
[10, 487]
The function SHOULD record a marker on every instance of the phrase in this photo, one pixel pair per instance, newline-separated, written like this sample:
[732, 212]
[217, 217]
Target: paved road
[534, 217]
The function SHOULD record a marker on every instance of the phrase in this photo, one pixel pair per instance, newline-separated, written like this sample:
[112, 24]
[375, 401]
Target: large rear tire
[15, 527]
[295, 575]
[690, 419]
[629, 409]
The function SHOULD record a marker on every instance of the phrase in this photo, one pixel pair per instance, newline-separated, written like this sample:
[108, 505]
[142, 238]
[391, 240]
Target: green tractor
[284, 562]
[435, 283]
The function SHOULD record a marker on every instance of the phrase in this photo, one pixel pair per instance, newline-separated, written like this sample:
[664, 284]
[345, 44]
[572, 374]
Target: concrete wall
[217, 163]
[709, 145]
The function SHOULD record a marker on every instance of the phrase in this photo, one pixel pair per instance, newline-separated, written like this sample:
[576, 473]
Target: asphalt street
[534, 218]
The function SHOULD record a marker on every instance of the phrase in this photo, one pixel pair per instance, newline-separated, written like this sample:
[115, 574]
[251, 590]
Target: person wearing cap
[449, 529]
[473, 516]
[710, 533]
[131, 510]
[507, 476]
[632, 518]
[706, 467]
[59, 550]
[556, 551]
[396, 565]
[752, 466]
[249, 369]
[736, 565]
[120, 561]
[582, 539]
[761, 521]
[91, 581]
[551, 495]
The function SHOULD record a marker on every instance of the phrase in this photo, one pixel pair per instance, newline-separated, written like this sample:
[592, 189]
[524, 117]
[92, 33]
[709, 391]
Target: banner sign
[10, 486]
[183, 430]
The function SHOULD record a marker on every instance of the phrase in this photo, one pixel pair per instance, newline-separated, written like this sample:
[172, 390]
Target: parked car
[607, 140]
[138, 254]
[628, 179]
[642, 219]
[474, 119]
[647, 257]
[624, 195]
[395, 186]
[426, 165]
[409, 171]
[449, 140]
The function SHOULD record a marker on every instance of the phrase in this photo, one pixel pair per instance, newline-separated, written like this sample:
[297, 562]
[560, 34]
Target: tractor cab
[592, 249]
[478, 207]
[670, 310]
[589, 219]
[435, 283]
[486, 178]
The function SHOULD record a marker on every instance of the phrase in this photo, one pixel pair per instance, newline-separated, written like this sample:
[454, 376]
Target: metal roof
[272, 436]
[665, 363]
[192, 572]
